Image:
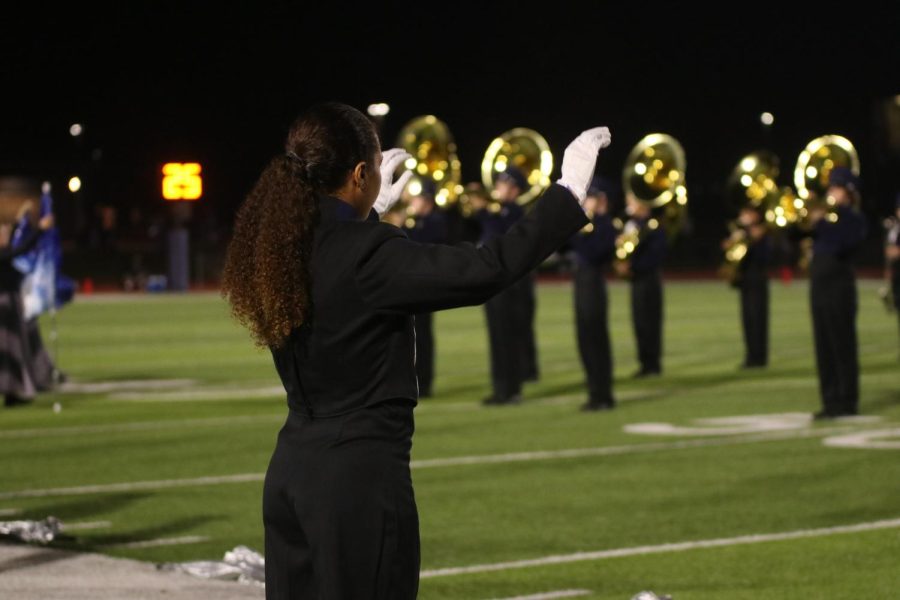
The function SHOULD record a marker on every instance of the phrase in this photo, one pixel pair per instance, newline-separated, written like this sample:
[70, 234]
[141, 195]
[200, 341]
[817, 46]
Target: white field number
[881, 439]
[726, 425]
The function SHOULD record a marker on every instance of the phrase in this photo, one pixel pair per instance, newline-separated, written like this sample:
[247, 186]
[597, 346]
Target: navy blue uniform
[834, 305]
[593, 252]
[430, 229]
[753, 285]
[647, 296]
[506, 314]
[893, 239]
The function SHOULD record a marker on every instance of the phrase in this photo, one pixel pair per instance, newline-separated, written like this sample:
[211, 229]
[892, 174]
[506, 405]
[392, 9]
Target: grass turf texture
[488, 513]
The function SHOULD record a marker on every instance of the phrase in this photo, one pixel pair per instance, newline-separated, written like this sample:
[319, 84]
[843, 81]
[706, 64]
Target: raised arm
[394, 273]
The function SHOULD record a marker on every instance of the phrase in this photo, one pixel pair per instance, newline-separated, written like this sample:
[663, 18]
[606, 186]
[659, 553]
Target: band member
[506, 312]
[594, 248]
[462, 226]
[425, 225]
[17, 376]
[752, 281]
[644, 269]
[892, 256]
[833, 296]
[337, 315]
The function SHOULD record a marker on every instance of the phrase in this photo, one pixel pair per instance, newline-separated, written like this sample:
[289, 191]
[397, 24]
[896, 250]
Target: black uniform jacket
[368, 279]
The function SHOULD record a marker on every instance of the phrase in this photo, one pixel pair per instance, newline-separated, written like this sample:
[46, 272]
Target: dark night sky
[165, 81]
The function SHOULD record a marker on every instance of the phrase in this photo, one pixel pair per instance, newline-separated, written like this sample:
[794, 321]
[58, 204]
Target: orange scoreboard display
[182, 181]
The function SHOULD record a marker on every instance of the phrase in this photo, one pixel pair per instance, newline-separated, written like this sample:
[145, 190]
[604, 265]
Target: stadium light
[74, 184]
[379, 110]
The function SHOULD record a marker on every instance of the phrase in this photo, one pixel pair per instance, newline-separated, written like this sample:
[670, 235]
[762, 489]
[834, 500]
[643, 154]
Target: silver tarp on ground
[241, 564]
[42, 532]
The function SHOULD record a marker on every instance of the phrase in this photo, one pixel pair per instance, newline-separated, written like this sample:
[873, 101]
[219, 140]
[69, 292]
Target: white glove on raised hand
[580, 159]
[390, 190]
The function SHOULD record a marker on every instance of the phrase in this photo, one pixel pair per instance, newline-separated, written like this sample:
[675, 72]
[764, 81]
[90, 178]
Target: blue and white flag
[44, 288]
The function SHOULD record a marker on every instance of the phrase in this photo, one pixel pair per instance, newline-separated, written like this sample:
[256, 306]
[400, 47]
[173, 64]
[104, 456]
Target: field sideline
[171, 416]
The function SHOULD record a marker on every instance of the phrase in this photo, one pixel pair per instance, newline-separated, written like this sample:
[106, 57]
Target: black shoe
[13, 400]
[824, 415]
[502, 400]
[827, 415]
[752, 365]
[642, 373]
[598, 406]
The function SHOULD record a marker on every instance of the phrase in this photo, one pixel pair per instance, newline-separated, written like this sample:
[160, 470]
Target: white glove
[580, 159]
[390, 190]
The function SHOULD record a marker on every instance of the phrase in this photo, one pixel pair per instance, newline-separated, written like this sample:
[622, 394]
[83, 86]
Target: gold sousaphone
[434, 162]
[524, 149]
[754, 184]
[654, 175]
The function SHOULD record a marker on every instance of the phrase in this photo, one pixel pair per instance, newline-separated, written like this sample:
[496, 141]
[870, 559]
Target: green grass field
[215, 411]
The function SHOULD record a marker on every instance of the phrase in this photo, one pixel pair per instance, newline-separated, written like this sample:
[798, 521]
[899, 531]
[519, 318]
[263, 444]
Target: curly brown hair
[266, 277]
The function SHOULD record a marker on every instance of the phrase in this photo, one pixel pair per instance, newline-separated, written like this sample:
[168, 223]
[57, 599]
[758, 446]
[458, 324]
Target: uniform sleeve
[395, 273]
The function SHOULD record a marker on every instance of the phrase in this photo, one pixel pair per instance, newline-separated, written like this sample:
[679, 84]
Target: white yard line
[202, 395]
[626, 449]
[133, 485]
[436, 463]
[551, 595]
[175, 541]
[662, 548]
[85, 525]
[106, 387]
[136, 426]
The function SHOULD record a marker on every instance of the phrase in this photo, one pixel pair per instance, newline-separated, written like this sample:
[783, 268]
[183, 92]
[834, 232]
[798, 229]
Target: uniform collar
[336, 209]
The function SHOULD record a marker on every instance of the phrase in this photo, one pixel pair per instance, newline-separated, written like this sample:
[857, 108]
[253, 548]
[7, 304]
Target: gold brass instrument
[814, 167]
[654, 175]
[434, 159]
[753, 184]
[524, 149]
[811, 176]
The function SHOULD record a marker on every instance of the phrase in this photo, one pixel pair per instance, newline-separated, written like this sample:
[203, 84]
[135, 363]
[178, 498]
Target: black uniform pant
[526, 307]
[755, 319]
[425, 352]
[646, 317]
[505, 338]
[592, 328]
[338, 507]
[834, 305]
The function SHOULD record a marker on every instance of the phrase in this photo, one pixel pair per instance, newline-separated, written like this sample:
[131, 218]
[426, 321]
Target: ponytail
[266, 274]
